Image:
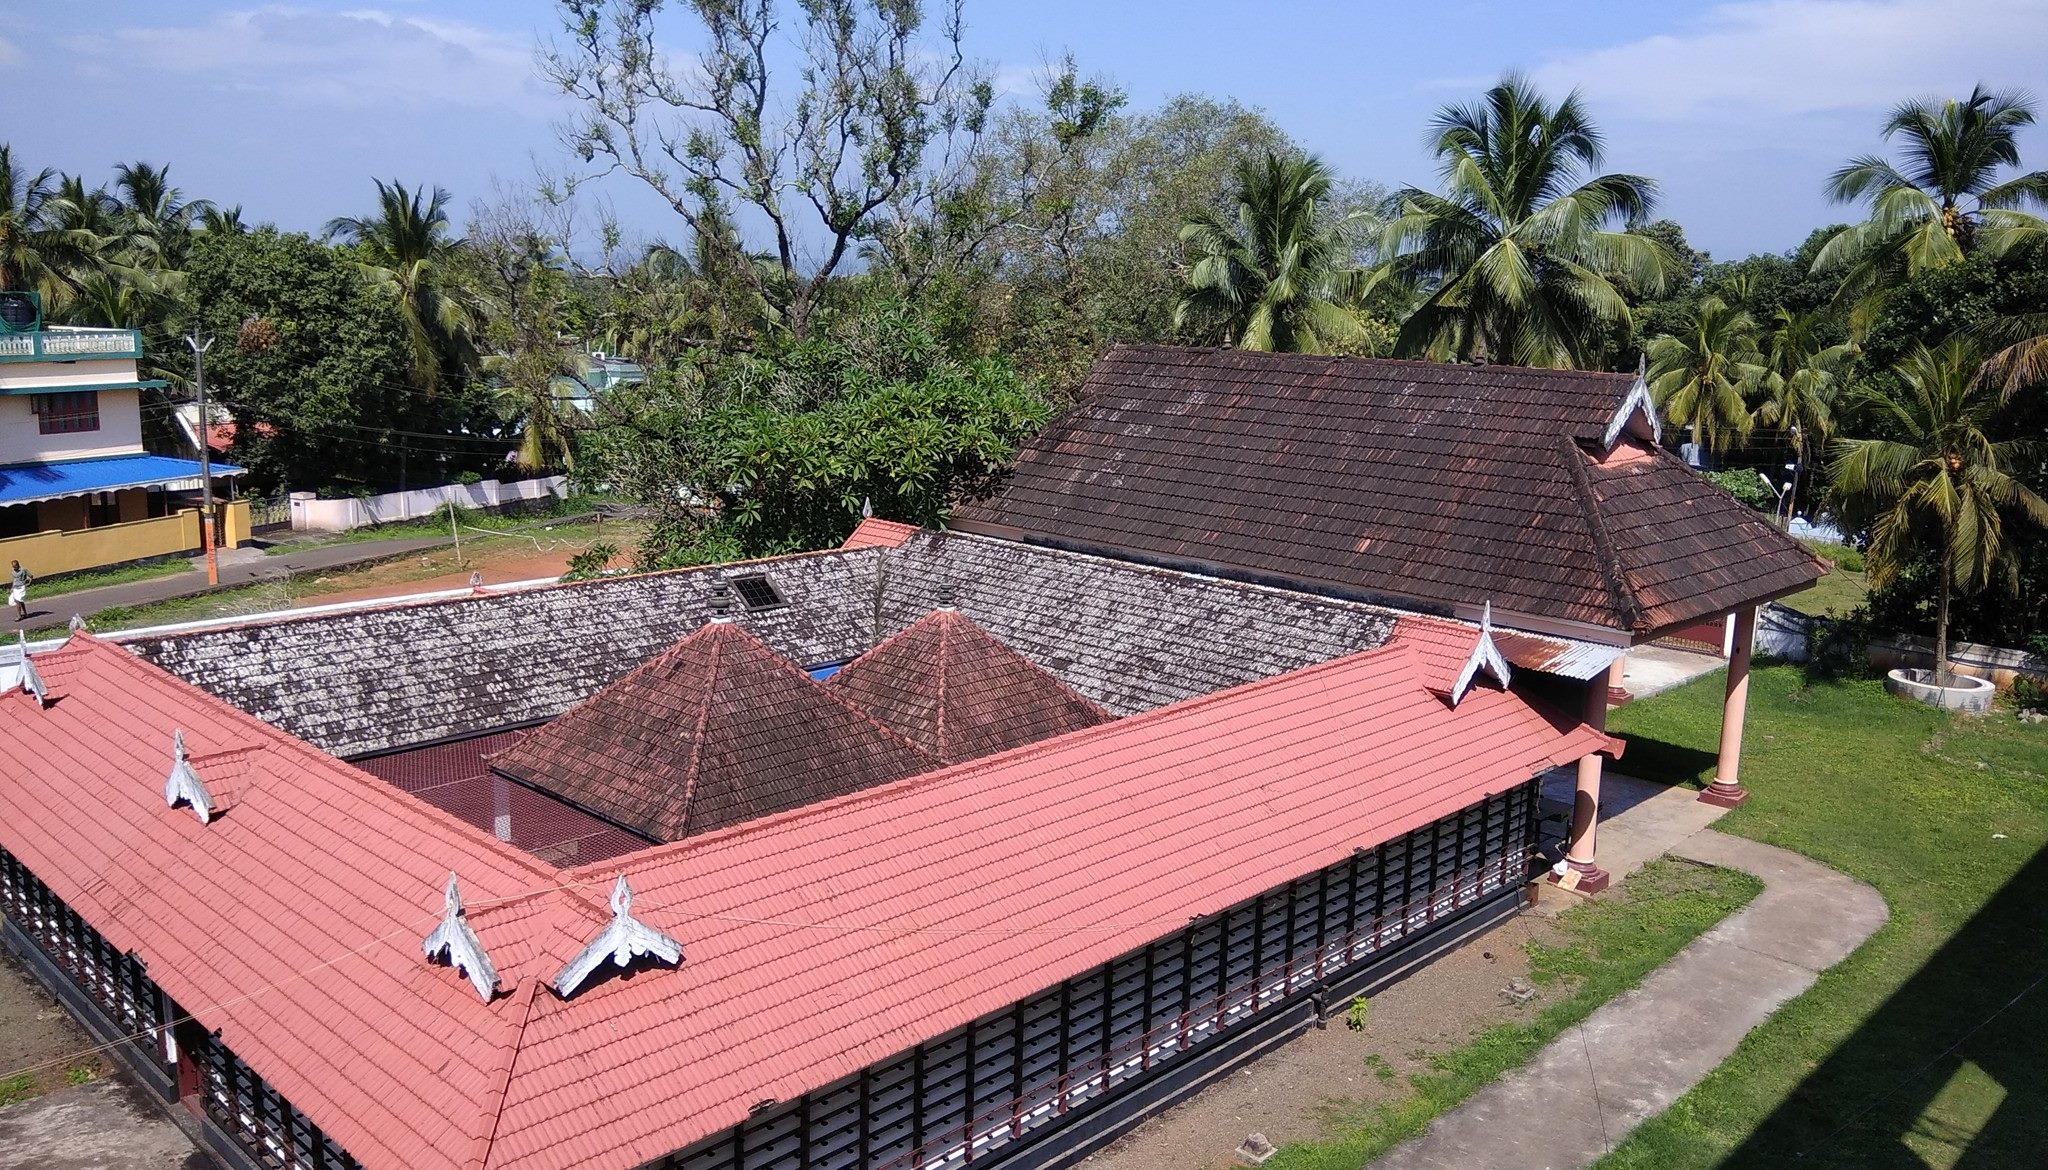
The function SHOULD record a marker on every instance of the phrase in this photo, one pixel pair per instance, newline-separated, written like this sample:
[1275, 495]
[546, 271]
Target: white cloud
[1774, 58]
[358, 60]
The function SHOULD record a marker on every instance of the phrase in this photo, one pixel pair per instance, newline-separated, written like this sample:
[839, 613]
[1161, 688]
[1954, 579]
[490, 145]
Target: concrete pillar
[1727, 790]
[1585, 831]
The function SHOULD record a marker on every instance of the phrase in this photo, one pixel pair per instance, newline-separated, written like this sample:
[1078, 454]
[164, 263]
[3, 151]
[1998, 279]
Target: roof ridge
[703, 720]
[1612, 571]
[1401, 653]
[487, 1141]
[1048, 675]
[304, 753]
[832, 693]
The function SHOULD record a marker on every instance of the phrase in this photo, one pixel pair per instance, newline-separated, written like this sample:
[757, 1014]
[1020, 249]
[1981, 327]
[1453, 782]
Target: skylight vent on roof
[1485, 656]
[184, 785]
[456, 945]
[756, 592]
[31, 682]
[623, 940]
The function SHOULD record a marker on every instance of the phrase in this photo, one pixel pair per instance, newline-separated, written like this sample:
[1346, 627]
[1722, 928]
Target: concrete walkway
[106, 1125]
[242, 566]
[1576, 1099]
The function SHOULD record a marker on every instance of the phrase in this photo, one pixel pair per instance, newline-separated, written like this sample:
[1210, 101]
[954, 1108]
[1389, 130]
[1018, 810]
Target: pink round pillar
[1727, 790]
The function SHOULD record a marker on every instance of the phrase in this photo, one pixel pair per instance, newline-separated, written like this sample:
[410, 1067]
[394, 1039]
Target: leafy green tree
[1271, 274]
[1519, 257]
[310, 363]
[155, 217]
[36, 249]
[1702, 375]
[409, 257]
[1803, 377]
[1945, 200]
[773, 452]
[516, 271]
[1940, 480]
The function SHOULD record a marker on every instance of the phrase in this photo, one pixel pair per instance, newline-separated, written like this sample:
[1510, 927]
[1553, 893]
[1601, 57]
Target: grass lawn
[57, 586]
[437, 526]
[1923, 1049]
[1610, 945]
[1838, 594]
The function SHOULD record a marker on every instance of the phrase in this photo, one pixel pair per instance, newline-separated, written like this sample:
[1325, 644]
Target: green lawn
[1839, 593]
[1609, 946]
[57, 586]
[1923, 1049]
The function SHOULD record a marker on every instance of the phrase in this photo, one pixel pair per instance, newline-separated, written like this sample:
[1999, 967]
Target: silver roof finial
[1485, 655]
[623, 939]
[31, 681]
[184, 785]
[456, 945]
[77, 622]
[867, 508]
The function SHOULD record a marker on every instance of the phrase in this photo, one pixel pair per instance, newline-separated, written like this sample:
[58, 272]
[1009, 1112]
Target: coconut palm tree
[1939, 484]
[1270, 275]
[224, 220]
[1701, 377]
[408, 255]
[36, 248]
[1944, 200]
[156, 215]
[1803, 377]
[1519, 253]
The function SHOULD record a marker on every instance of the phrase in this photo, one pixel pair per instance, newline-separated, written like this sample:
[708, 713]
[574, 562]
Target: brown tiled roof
[1447, 484]
[717, 730]
[945, 685]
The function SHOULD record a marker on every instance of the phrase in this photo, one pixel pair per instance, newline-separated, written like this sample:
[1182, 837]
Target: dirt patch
[1304, 1089]
[41, 1048]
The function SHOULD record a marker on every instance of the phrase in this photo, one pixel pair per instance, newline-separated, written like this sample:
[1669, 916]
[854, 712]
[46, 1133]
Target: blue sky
[1739, 109]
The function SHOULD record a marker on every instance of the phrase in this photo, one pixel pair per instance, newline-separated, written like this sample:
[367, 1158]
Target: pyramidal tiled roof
[716, 730]
[949, 687]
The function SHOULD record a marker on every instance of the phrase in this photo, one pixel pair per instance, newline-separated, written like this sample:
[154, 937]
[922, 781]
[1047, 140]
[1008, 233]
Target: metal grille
[973, 1095]
[756, 592]
[454, 778]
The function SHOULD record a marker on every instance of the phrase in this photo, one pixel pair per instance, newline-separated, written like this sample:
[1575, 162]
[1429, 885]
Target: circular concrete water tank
[1960, 693]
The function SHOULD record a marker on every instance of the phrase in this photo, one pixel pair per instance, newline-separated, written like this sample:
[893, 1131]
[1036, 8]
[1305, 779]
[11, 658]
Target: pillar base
[1592, 879]
[1616, 696]
[1724, 795]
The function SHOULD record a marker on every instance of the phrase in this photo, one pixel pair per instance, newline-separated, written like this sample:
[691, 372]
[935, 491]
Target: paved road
[1576, 1099]
[106, 1125]
[243, 566]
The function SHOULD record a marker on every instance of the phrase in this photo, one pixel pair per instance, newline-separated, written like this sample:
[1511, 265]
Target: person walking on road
[17, 592]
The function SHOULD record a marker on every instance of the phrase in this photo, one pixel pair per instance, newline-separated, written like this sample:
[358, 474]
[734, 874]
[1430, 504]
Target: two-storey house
[77, 487]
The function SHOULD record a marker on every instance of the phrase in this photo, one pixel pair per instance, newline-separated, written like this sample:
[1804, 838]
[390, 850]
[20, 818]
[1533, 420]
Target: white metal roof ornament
[456, 945]
[623, 940]
[1485, 655]
[1638, 398]
[31, 682]
[184, 785]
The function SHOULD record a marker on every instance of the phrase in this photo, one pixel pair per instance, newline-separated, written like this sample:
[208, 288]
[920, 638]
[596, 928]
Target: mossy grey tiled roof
[1128, 637]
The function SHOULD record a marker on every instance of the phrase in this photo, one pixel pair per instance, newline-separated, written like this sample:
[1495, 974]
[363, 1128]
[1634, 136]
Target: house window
[68, 413]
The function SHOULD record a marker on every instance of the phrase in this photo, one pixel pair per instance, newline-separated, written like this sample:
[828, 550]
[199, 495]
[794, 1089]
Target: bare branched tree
[872, 112]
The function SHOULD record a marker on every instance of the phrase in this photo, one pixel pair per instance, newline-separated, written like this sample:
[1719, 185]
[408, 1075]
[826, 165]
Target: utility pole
[207, 537]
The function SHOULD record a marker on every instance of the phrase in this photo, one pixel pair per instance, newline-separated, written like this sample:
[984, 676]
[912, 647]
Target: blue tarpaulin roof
[25, 483]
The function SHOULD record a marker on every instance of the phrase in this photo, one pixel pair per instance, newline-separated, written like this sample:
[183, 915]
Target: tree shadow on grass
[1947, 1072]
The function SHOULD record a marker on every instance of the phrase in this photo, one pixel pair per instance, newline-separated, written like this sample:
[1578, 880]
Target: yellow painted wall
[234, 524]
[49, 553]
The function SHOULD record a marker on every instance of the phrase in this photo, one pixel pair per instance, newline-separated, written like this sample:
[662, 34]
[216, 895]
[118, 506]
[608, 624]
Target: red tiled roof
[715, 730]
[874, 533]
[1411, 480]
[946, 685]
[817, 941]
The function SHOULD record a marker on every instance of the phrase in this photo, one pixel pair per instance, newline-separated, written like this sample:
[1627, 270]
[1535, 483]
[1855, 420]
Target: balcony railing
[68, 344]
